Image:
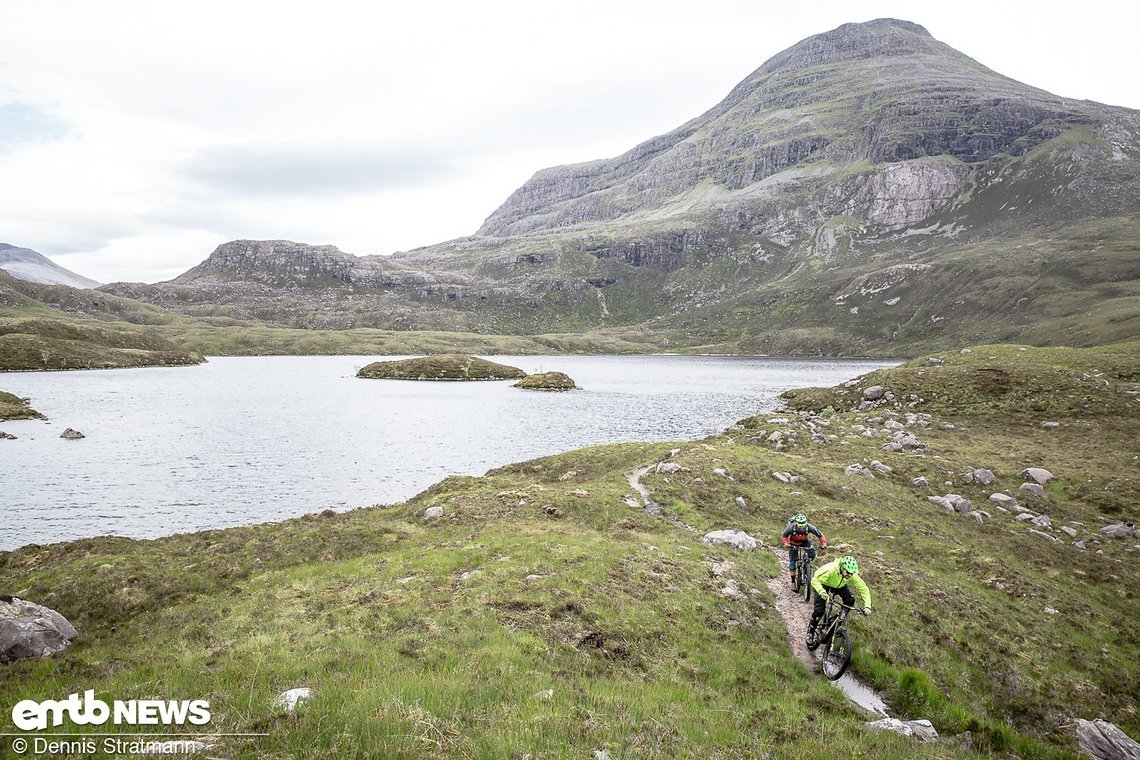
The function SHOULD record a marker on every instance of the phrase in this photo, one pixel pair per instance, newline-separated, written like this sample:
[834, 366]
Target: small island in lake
[12, 407]
[441, 367]
[547, 381]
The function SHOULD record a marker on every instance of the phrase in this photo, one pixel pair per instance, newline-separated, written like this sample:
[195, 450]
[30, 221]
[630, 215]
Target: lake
[244, 440]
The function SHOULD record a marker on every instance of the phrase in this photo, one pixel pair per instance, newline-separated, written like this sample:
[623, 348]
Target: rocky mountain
[26, 264]
[868, 190]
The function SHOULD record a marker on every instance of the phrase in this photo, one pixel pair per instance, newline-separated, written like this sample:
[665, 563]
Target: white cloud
[140, 135]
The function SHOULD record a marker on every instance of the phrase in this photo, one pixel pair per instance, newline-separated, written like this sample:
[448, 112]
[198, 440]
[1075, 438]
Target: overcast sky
[136, 136]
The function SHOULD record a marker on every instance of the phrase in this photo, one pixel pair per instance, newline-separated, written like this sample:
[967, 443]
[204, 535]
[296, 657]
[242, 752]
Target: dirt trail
[652, 508]
[795, 612]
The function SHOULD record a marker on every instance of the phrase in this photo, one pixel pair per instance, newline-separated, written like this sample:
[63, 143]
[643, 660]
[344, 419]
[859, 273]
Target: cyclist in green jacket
[833, 578]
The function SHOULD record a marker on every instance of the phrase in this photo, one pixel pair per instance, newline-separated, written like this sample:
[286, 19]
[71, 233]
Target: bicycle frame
[834, 616]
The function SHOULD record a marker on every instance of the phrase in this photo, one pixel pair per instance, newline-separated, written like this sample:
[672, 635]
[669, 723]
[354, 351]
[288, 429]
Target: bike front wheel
[836, 656]
[805, 586]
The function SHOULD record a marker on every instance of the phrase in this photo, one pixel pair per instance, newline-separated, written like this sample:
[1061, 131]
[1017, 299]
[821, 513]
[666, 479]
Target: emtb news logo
[30, 715]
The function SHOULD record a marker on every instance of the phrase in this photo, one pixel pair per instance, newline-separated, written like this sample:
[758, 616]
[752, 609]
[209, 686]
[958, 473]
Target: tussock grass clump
[547, 381]
[441, 367]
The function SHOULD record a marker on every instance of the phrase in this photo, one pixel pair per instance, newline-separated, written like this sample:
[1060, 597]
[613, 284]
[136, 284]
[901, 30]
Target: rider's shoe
[811, 642]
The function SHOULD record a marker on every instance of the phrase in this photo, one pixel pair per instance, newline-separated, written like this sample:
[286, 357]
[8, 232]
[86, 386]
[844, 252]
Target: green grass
[625, 622]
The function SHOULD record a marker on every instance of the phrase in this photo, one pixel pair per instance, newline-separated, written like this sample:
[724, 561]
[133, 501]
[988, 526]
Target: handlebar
[862, 610]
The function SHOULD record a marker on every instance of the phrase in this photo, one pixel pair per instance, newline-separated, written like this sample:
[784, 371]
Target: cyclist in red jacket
[797, 536]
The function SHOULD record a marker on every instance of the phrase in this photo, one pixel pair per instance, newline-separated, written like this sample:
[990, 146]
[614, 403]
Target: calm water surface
[248, 440]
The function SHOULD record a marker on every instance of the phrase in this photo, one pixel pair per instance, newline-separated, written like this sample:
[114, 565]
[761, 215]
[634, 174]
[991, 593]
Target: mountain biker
[833, 578]
[797, 535]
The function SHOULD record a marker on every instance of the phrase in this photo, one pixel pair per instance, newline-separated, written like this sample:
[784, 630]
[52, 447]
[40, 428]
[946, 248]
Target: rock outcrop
[733, 537]
[31, 630]
[1104, 741]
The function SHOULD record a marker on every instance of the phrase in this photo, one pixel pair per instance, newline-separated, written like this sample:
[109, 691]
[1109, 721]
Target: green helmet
[849, 564]
[800, 519]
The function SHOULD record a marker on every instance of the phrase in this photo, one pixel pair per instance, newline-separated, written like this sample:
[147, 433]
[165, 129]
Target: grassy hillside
[542, 615]
[53, 344]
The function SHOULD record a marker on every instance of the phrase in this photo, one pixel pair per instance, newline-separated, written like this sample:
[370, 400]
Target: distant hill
[869, 190]
[26, 264]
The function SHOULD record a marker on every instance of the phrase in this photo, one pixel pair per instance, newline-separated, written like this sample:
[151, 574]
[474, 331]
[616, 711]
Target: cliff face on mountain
[869, 189]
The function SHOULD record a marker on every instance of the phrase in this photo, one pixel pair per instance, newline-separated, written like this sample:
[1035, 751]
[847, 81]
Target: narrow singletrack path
[795, 612]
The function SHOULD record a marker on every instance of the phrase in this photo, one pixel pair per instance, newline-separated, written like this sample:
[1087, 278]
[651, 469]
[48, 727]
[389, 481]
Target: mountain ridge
[870, 158]
[32, 266]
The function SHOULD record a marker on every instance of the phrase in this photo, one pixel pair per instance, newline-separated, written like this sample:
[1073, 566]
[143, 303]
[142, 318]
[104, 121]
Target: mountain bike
[831, 635]
[801, 583]
[804, 571]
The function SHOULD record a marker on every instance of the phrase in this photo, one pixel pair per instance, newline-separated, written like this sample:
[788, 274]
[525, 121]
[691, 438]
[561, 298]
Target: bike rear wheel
[836, 655]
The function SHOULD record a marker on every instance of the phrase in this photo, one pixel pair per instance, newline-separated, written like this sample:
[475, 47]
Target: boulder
[1042, 521]
[1104, 741]
[859, 470]
[892, 446]
[71, 435]
[910, 442]
[433, 512]
[783, 477]
[932, 362]
[1070, 532]
[877, 466]
[918, 729]
[1005, 501]
[293, 697]
[31, 630]
[981, 476]
[1050, 425]
[1120, 530]
[874, 393]
[1043, 535]
[733, 537]
[1036, 474]
[667, 467]
[952, 502]
[920, 482]
[6, 436]
[740, 502]
[1033, 488]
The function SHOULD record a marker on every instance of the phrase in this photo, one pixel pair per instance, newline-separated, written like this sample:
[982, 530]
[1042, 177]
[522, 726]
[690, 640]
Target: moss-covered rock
[441, 367]
[547, 381]
[13, 407]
